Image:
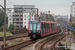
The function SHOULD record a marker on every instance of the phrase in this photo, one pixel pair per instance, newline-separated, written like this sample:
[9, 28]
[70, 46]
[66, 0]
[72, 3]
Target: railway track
[52, 40]
[53, 46]
[14, 37]
[27, 43]
[19, 46]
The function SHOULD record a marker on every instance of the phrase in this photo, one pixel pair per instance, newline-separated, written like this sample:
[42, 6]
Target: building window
[28, 19]
[25, 26]
[74, 11]
[10, 19]
[28, 15]
[24, 22]
[10, 15]
[24, 19]
[25, 15]
[74, 7]
[74, 14]
[32, 19]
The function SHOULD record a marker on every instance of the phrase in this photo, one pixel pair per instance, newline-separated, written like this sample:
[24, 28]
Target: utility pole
[30, 16]
[70, 20]
[48, 14]
[19, 19]
[4, 8]
[4, 22]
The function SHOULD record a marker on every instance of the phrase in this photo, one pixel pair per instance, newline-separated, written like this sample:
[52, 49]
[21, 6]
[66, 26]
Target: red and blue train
[37, 29]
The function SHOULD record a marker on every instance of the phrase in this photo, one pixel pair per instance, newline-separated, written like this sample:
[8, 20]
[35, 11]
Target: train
[38, 29]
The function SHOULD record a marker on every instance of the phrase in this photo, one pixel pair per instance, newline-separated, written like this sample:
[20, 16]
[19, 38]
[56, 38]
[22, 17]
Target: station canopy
[71, 28]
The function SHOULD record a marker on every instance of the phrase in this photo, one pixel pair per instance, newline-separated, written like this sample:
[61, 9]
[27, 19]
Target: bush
[7, 29]
[11, 27]
[73, 25]
[1, 28]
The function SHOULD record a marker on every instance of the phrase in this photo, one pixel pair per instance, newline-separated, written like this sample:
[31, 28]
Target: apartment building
[73, 9]
[20, 15]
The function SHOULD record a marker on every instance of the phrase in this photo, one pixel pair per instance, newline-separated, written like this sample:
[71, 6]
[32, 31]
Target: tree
[1, 28]
[2, 19]
[11, 27]
[73, 25]
[45, 17]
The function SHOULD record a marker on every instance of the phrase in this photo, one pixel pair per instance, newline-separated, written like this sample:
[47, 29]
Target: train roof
[44, 21]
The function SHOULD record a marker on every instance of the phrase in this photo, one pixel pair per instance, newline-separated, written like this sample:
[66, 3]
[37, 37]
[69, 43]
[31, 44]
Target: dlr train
[37, 29]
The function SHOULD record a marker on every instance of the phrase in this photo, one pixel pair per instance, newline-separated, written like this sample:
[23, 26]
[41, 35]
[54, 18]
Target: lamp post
[4, 22]
[4, 8]
[66, 36]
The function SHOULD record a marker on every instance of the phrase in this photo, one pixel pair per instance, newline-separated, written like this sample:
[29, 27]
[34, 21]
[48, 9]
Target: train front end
[34, 30]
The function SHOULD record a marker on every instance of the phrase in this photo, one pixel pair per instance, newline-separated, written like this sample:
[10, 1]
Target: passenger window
[34, 26]
[30, 26]
[38, 26]
[48, 28]
[43, 28]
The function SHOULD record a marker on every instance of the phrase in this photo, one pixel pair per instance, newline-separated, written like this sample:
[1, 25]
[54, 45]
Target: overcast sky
[55, 6]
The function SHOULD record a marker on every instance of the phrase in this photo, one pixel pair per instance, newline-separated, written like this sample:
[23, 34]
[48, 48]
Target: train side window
[45, 27]
[52, 26]
[42, 28]
[48, 28]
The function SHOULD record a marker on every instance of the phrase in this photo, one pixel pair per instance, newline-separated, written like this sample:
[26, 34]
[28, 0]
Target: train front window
[38, 26]
[30, 26]
[34, 26]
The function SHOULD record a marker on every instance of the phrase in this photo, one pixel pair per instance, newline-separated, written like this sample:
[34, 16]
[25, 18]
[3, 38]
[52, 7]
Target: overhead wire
[11, 2]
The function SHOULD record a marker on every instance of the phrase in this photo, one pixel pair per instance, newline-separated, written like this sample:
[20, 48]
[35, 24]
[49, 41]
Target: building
[26, 18]
[73, 9]
[62, 20]
[21, 14]
[46, 17]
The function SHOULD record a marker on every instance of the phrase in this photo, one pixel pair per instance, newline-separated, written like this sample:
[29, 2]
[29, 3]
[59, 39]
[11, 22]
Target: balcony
[18, 13]
[18, 24]
[17, 21]
[17, 17]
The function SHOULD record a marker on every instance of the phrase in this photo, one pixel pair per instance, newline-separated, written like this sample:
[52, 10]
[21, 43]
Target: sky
[56, 7]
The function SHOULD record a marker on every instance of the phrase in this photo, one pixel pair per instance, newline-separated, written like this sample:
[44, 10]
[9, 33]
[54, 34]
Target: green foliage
[11, 27]
[7, 34]
[13, 43]
[1, 28]
[2, 19]
[73, 25]
[7, 29]
[46, 18]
